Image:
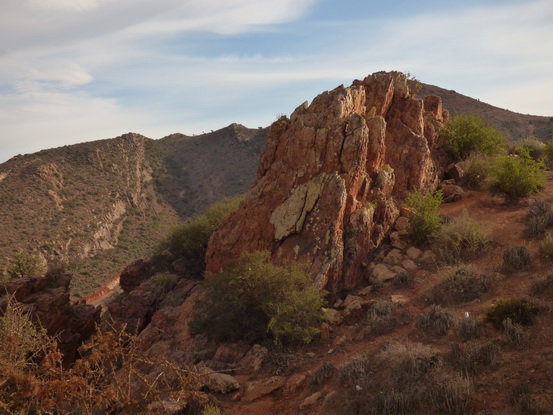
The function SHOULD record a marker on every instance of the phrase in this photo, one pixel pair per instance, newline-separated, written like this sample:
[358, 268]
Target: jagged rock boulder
[331, 177]
[47, 299]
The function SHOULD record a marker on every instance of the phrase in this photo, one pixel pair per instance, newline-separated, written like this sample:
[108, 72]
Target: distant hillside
[516, 126]
[101, 204]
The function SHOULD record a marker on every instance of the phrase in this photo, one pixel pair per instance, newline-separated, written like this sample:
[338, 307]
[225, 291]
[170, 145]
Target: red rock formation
[48, 301]
[330, 177]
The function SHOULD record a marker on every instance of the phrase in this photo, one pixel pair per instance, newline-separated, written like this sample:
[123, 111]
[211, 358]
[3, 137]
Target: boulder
[331, 179]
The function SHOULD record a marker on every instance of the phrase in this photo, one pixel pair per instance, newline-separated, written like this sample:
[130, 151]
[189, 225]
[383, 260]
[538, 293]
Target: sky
[82, 70]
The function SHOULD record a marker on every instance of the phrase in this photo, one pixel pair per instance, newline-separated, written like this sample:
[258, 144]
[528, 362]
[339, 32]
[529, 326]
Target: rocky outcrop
[47, 300]
[331, 179]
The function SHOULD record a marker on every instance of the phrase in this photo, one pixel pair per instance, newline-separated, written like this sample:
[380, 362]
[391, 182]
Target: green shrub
[255, 299]
[516, 177]
[476, 170]
[466, 134]
[518, 310]
[461, 239]
[188, 240]
[516, 258]
[535, 148]
[211, 410]
[424, 220]
[462, 284]
[24, 265]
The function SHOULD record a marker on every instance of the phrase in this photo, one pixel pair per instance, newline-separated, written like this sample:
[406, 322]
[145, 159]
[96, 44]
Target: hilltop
[98, 205]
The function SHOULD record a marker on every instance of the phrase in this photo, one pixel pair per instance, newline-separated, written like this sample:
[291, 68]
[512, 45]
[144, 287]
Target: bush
[516, 177]
[356, 371]
[476, 170]
[112, 372]
[461, 239]
[468, 358]
[188, 240]
[468, 328]
[546, 246]
[462, 284]
[424, 220]
[535, 148]
[404, 279]
[518, 310]
[255, 299]
[385, 317]
[543, 287]
[466, 134]
[437, 321]
[540, 218]
[23, 265]
[321, 375]
[516, 258]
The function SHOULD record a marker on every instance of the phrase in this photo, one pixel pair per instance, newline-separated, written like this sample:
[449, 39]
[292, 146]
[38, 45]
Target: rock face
[47, 299]
[331, 178]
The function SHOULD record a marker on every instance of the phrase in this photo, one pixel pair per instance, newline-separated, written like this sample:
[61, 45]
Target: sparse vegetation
[254, 299]
[518, 310]
[461, 239]
[516, 258]
[356, 371]
[517, 177]
[404, 279]
[466, 134]
[325, 372]
[188, 240]
[543, 287]
[424, 220]
[468, 328]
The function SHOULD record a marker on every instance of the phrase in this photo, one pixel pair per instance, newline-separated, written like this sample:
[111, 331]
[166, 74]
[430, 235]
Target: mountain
[98, 205]
[514, 125]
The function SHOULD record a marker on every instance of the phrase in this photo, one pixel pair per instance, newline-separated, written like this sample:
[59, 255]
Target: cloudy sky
[80, 70]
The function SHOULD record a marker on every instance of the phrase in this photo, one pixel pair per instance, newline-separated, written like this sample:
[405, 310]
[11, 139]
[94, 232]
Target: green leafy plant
[516, 177]
[424, 220]
[23, 265]
[476, 170]
[188, 240]
[518, 310]
[466, 134]
[255, 299]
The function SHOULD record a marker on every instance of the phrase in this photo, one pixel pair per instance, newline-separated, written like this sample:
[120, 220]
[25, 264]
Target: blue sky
[80, 70]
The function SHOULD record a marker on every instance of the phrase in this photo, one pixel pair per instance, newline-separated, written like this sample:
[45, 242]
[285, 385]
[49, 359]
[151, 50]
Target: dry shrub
[540, 218]
[543, 288]
[385, 317]
[112, 373]
[404, 279]
[515, 332]
[437, 322]
[461, 239]
[546, 246]
[326, 371]
[516, 258]
[462, 284]
[522, 400]
[356, 371]
[469, 358]
[468, 328]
